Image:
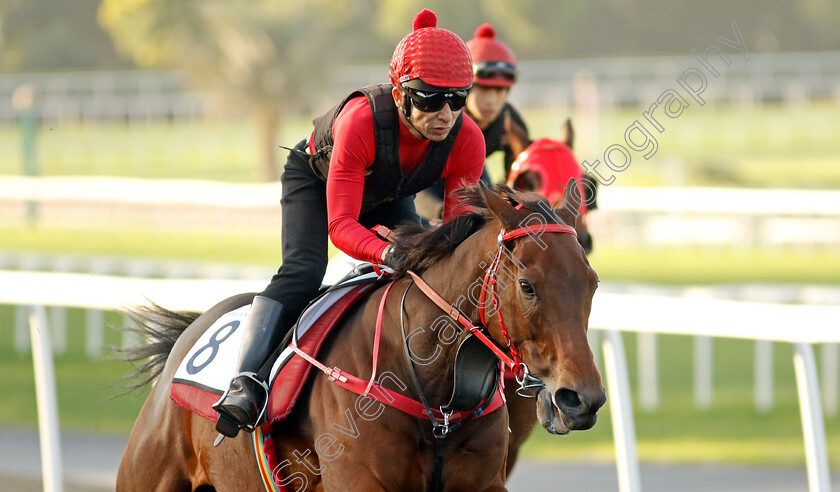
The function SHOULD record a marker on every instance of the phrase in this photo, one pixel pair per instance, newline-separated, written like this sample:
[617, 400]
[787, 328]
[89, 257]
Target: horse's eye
[526, 288]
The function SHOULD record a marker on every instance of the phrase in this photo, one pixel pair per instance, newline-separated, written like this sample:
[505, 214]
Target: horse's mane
[421, 247]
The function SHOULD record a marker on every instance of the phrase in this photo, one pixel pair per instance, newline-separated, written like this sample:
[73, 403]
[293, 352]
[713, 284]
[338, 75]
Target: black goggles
[432, 102]
[489, 70]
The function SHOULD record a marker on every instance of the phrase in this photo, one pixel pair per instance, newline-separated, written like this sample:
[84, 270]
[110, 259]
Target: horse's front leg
[523, 415]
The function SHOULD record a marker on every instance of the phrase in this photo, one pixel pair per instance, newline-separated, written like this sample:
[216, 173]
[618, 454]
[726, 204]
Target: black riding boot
[266, 325]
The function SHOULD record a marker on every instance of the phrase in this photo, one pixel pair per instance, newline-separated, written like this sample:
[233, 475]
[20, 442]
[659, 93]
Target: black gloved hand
[395, 259]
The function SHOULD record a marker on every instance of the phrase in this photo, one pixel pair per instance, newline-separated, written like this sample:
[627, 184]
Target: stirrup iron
[249, 427]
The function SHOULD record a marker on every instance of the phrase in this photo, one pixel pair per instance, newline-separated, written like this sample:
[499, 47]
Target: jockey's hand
[393, 258]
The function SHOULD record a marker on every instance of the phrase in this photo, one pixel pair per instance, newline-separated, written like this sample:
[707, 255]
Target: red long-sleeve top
[353, 152]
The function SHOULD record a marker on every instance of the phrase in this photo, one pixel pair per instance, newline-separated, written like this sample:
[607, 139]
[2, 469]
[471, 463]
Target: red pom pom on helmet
[431, 57]
[426, 18]
[487, 50]
[485, 31]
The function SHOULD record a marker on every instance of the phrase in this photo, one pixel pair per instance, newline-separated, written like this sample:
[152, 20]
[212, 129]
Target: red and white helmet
[493, 62]
[431, 58]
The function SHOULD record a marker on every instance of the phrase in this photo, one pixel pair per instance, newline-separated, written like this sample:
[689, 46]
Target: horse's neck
[451, 278]
[453, 275]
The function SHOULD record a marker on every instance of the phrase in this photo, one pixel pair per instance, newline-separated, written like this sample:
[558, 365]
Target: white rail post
[648, 372]
[621, 409]
[47, 405]
[763, 375]
[29, 262]
[703, 372]
[829, 365]
[58, 314]
[813, 428]
[703, 363]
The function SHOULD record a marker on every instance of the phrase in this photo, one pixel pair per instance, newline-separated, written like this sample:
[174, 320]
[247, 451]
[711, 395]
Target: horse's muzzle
[566, 410]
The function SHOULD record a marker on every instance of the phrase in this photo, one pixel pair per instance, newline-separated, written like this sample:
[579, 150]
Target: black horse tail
[160, 329]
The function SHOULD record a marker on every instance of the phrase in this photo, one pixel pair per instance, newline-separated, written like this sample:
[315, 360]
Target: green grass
[86, 389]
[663, 265]
[721, 145]
[766, 146]
[172, 244]
[704, 266]
[203, 150]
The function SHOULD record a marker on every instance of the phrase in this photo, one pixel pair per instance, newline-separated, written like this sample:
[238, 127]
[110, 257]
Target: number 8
[213, 345]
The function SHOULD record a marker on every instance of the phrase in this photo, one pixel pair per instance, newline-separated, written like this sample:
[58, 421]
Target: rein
[489, 285]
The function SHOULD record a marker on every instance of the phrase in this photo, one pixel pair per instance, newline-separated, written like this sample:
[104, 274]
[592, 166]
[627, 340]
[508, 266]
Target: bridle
[440, 428]
[489, 286]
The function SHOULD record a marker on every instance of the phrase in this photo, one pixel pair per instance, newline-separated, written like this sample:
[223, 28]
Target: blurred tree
[826, 15]
[50, 35]
[262, 55]
[47, 35]
[272, 57]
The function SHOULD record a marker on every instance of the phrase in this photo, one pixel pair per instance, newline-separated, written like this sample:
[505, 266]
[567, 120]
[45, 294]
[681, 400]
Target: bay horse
[542, 288]
[542, 166]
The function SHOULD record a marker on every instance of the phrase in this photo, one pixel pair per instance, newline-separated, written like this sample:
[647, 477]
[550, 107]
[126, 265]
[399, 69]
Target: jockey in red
[361, 166]
[495, 72]
[495, 69]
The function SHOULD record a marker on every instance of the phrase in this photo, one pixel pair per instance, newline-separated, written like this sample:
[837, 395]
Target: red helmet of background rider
[555, 163]
[430, 58]
[493, 62]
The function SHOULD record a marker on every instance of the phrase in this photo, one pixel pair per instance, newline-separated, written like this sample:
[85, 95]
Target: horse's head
[545, 302]
[545, 166]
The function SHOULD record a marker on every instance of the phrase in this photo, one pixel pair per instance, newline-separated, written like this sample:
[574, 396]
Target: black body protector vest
[384, 179]
[493, 136]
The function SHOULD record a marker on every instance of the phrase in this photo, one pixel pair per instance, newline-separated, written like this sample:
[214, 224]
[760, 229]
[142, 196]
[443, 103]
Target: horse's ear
[515, 136]
[569, 137]
[499, 207]
[571, 203]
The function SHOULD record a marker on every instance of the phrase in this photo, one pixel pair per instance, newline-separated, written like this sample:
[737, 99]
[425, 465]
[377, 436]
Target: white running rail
[800, 325]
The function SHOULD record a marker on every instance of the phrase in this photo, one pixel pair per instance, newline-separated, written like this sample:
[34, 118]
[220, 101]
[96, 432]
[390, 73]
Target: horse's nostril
[567, 398]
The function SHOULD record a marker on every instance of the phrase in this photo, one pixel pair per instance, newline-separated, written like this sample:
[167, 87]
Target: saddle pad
[206, 371]
[290, 371]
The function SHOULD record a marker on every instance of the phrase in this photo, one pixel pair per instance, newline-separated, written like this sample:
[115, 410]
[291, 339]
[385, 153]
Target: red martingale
[513, 361]
[386, 396]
